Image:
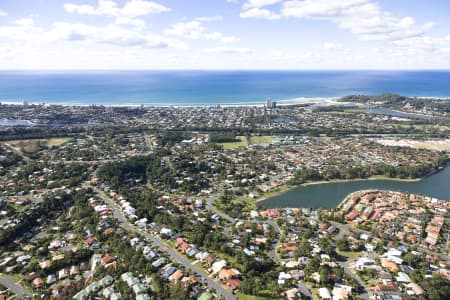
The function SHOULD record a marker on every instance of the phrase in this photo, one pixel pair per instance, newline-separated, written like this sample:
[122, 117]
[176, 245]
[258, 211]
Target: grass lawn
[326, 138]
[401, 125]
[263, 139]
[346, 112]
[314, 290]
[249, 297]
[350, 254]
[57, 141]
[315, 293]
[433, 145]
[279, 190]
[383, 177]
[248, 202]
[34, 145]
[234, 145]
[15, 278]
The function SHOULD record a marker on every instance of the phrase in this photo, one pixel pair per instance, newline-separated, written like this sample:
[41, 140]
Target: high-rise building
[270, 103]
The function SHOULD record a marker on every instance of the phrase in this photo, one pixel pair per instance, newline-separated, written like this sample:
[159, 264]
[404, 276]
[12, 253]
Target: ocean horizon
[193, 88]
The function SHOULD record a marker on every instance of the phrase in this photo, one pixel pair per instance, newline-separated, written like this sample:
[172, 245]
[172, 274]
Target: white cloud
[6, 51]
[3, 13]
[229, 50]
[229, 39]
[259, 13]
[141, 8]
[125, 15]
[424, 43]
[363, 18]
[83, 9]
[24, 22]
[31, 44]
[104, 7]
[282, 56]
[21, 30]
[131, 9]
[24, 30]
[331, 46]
[319, 8]
[139, 24]
[260, 3]
[192, 30]
[71, 32]
[195, 30]
[111, 34]
[209, 19]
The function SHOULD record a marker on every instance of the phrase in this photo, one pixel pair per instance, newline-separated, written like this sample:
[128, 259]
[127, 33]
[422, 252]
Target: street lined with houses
[174, 254]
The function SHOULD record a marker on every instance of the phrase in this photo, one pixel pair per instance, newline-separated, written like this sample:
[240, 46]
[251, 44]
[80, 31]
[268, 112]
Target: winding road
[172, 253]
[343, 228]
[214, 210]
[364, 295]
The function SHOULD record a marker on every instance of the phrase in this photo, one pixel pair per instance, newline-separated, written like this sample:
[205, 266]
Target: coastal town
[332, 117]
[224, 150]
[170, 202]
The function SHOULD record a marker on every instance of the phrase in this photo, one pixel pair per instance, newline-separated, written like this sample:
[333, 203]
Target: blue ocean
[210, 87]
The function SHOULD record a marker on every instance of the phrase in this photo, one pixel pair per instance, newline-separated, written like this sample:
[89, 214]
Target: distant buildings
[270, 103]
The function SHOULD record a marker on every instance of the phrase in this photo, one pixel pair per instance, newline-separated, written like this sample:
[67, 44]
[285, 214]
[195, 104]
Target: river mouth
[329, 195]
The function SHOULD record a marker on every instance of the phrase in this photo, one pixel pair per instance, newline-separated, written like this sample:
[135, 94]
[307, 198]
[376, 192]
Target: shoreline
[284, 102]
[288, 189]
[327, 101]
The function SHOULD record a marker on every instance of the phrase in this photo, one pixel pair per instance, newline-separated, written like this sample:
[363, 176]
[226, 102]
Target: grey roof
[81, 295]
[107, 280]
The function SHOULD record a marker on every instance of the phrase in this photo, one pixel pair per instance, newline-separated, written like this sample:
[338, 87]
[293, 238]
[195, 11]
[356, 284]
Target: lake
[329, 195]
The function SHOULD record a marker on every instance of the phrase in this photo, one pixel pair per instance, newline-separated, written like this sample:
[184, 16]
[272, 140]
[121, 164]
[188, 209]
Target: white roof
[324, 293]
[403, 277]
[395, 259]
[365, 261]
[283, 276]
[218, 265]
[364, 236]
[394, 252]
[292, 264]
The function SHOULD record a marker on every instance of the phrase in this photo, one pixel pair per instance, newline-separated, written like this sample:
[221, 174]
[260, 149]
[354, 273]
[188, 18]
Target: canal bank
[330, 194]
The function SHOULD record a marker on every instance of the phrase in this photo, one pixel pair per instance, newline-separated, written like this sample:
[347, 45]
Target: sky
[224, 34]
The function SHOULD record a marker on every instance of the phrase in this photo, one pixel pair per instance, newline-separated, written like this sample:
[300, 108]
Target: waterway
[394, 113]
[329, 195]
[16, 123]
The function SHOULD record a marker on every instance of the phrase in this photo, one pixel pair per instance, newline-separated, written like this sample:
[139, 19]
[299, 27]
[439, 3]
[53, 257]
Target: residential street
[18, 290]
[304, 290]
[344, 228]
[174, 254]
[349, 272]
[342, 231]
[211, 208]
